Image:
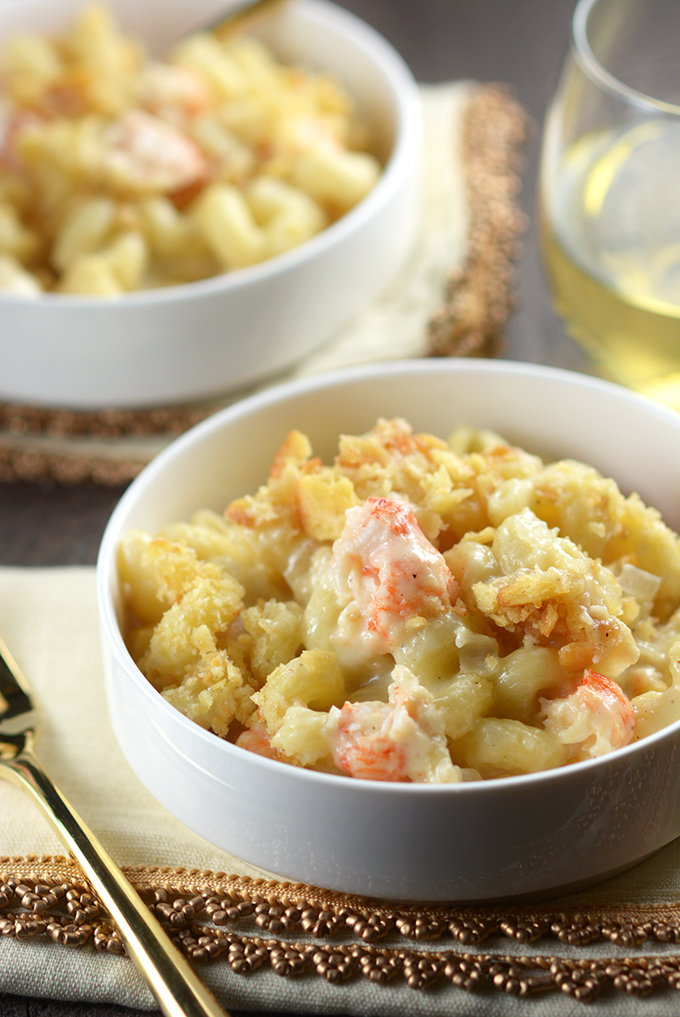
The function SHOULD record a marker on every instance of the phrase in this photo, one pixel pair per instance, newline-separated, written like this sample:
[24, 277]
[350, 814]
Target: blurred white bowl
[202, 339]
[517, 836]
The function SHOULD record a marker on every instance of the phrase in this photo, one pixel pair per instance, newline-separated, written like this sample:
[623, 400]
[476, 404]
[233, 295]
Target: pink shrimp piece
[145, 153]
[390, 570]
[595, 718]
[363, 746]
[256, 739]
[401, 740]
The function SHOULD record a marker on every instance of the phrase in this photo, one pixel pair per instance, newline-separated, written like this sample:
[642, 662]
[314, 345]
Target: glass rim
[597, 73]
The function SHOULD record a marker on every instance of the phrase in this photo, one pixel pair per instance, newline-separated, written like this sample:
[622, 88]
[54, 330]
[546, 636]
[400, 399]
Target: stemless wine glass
[610, 191]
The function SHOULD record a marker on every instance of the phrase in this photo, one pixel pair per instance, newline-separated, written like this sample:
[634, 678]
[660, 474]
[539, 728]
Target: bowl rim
[403, 155]
[281, 393]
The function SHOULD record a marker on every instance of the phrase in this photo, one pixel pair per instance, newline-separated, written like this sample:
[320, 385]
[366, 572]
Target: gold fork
[177, 989]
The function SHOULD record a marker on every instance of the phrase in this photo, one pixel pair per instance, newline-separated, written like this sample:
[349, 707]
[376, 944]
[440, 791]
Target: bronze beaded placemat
[294, 929]
[112, 446]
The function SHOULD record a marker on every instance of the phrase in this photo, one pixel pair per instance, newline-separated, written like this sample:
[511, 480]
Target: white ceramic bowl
[518, 836]
[202, 339]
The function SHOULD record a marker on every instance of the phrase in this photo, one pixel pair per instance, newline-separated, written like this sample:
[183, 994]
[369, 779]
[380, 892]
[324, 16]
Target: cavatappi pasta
[418, 610]
[119, 172]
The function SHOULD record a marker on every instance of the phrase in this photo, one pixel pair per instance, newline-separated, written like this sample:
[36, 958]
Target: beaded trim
[479, 297]
[107, 447]
[287, 927]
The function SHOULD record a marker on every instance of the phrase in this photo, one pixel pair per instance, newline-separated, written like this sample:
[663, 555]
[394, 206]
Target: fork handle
[177, 989]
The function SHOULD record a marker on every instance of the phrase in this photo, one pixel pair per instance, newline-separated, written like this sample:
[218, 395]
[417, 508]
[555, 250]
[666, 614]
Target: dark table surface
[518, 42]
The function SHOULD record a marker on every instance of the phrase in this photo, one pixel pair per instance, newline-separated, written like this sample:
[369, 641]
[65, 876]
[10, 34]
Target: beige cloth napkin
[49, 619]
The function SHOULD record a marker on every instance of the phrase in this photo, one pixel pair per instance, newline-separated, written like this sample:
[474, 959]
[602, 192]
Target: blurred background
[520, 43]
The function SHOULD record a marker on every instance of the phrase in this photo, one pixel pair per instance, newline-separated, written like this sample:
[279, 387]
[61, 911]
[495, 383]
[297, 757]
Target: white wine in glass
[610, 191]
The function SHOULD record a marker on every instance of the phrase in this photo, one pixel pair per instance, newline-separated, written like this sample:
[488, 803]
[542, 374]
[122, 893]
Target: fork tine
[14, 688]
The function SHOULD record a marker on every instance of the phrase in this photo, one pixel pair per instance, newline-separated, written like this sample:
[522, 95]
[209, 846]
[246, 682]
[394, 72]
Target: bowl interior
[548, 411]
[554, 413]
[315, 33]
